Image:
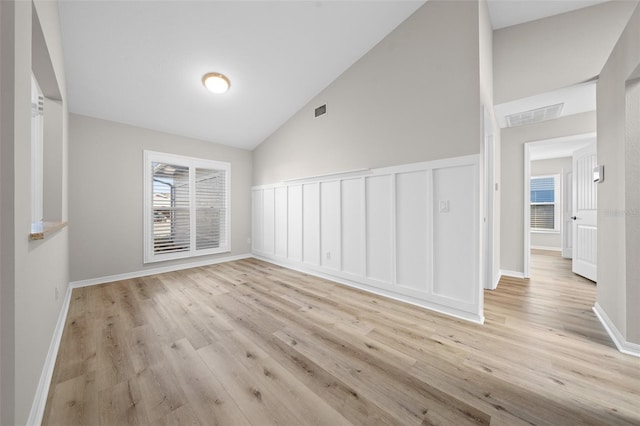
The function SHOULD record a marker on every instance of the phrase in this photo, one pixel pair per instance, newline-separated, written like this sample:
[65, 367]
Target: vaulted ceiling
[141, 62]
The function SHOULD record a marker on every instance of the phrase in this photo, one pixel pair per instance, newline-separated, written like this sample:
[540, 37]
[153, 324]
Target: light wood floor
[248, 342]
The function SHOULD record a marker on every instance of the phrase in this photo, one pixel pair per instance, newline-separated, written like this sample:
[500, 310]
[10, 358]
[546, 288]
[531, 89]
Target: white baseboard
[512, 274]
[296, 266]
[42, 391]
[153, 271]
[620, 342]
[547, 248]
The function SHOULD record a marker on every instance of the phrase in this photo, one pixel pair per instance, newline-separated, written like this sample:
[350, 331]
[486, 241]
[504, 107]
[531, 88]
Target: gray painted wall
[619, 196]
[512, 148]
[553, 166]
[555, 52]
[31, 271]
[414, 97]
[106, 187]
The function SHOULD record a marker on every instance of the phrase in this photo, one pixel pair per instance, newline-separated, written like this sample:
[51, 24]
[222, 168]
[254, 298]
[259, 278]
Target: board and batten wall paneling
[268, 223]
[281, 232]
[455, 272]
[330, 224]
[378, 234]
[412, 230]
[311, 223]
[294, 222]
[257, 220]
[408, 232]
[353, 232]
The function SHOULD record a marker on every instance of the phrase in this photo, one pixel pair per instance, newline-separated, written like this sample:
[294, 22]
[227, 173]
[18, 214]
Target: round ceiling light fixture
[216, 82]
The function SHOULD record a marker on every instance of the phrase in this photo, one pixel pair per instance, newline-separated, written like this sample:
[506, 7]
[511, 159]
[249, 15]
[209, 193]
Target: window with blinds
[186, 207]
[544, 209]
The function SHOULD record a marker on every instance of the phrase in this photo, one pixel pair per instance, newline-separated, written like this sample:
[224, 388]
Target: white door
[567, 212]
[585, 201]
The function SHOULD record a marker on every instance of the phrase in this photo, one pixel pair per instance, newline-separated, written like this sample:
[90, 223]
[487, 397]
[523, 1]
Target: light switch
[444, 206]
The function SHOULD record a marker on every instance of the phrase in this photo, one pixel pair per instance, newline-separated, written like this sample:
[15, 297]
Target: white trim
[42, 391]
[546, 248]
[349, 173]
[496, 280]
[296, 266]
[615, 335]
[512, 274]
[153, 271]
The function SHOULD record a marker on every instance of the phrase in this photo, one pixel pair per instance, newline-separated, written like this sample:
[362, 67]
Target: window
[186, 207]
[544, 206]
[37, 151]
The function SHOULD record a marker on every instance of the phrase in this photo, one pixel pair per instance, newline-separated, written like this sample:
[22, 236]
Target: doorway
[548, 188]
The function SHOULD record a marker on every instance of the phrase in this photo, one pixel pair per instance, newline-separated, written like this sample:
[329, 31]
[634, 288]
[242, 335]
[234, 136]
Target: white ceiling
[141, 62]
[559, 147]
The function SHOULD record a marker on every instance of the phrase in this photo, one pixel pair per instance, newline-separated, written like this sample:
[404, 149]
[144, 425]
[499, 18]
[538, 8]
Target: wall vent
[321, 110]
[534, 115]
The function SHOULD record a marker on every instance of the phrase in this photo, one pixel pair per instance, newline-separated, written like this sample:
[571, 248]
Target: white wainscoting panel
[409, 232]
[455, 234]
[281, 232]
[256, 221]
[294, 222]
[378, 225]
[413, 217]
[268, 223]
[353, 226]
[330, 224]
[311, 223]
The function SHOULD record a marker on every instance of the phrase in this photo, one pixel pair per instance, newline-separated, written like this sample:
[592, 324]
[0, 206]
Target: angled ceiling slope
[142, 62]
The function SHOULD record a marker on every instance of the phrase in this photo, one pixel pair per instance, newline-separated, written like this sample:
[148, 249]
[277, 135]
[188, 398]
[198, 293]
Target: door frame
[528, 147]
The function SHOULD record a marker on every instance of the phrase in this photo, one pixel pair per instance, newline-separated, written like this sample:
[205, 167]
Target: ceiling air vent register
[534, 115]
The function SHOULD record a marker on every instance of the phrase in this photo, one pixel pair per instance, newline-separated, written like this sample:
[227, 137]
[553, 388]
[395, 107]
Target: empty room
[319, 212]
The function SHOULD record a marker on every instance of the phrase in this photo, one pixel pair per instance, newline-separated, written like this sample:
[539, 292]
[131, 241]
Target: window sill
[40, 230]
[544, 231]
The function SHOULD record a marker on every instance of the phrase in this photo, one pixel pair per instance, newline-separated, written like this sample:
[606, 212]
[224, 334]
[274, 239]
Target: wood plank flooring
[250, 343]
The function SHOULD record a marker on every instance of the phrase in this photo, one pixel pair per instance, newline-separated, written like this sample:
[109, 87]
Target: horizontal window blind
[542, 216]
[543, 190]
[171, 205]
[211, 208]
[543, 203]
[186, 207]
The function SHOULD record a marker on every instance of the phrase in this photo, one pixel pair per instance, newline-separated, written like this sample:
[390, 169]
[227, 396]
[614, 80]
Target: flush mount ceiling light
[216, 82]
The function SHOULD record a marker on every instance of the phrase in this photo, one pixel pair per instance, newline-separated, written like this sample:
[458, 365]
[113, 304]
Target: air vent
[534, 115]
[321, 110]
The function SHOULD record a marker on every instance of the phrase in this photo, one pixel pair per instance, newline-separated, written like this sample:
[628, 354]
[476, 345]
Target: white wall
[512, 179]
[491, 135]
[618, 196]
[31, 271]
[383, 231]
[106, 186]
[555, 52]
[553, 166]
[414, 97]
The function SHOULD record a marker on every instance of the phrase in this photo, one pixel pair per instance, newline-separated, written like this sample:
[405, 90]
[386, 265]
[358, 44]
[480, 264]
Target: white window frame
[557, 211]
[192, 163]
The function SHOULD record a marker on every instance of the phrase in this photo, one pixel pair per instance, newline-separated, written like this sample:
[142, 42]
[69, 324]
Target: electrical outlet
[328, 255]
[249, 241]
[444, 206]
